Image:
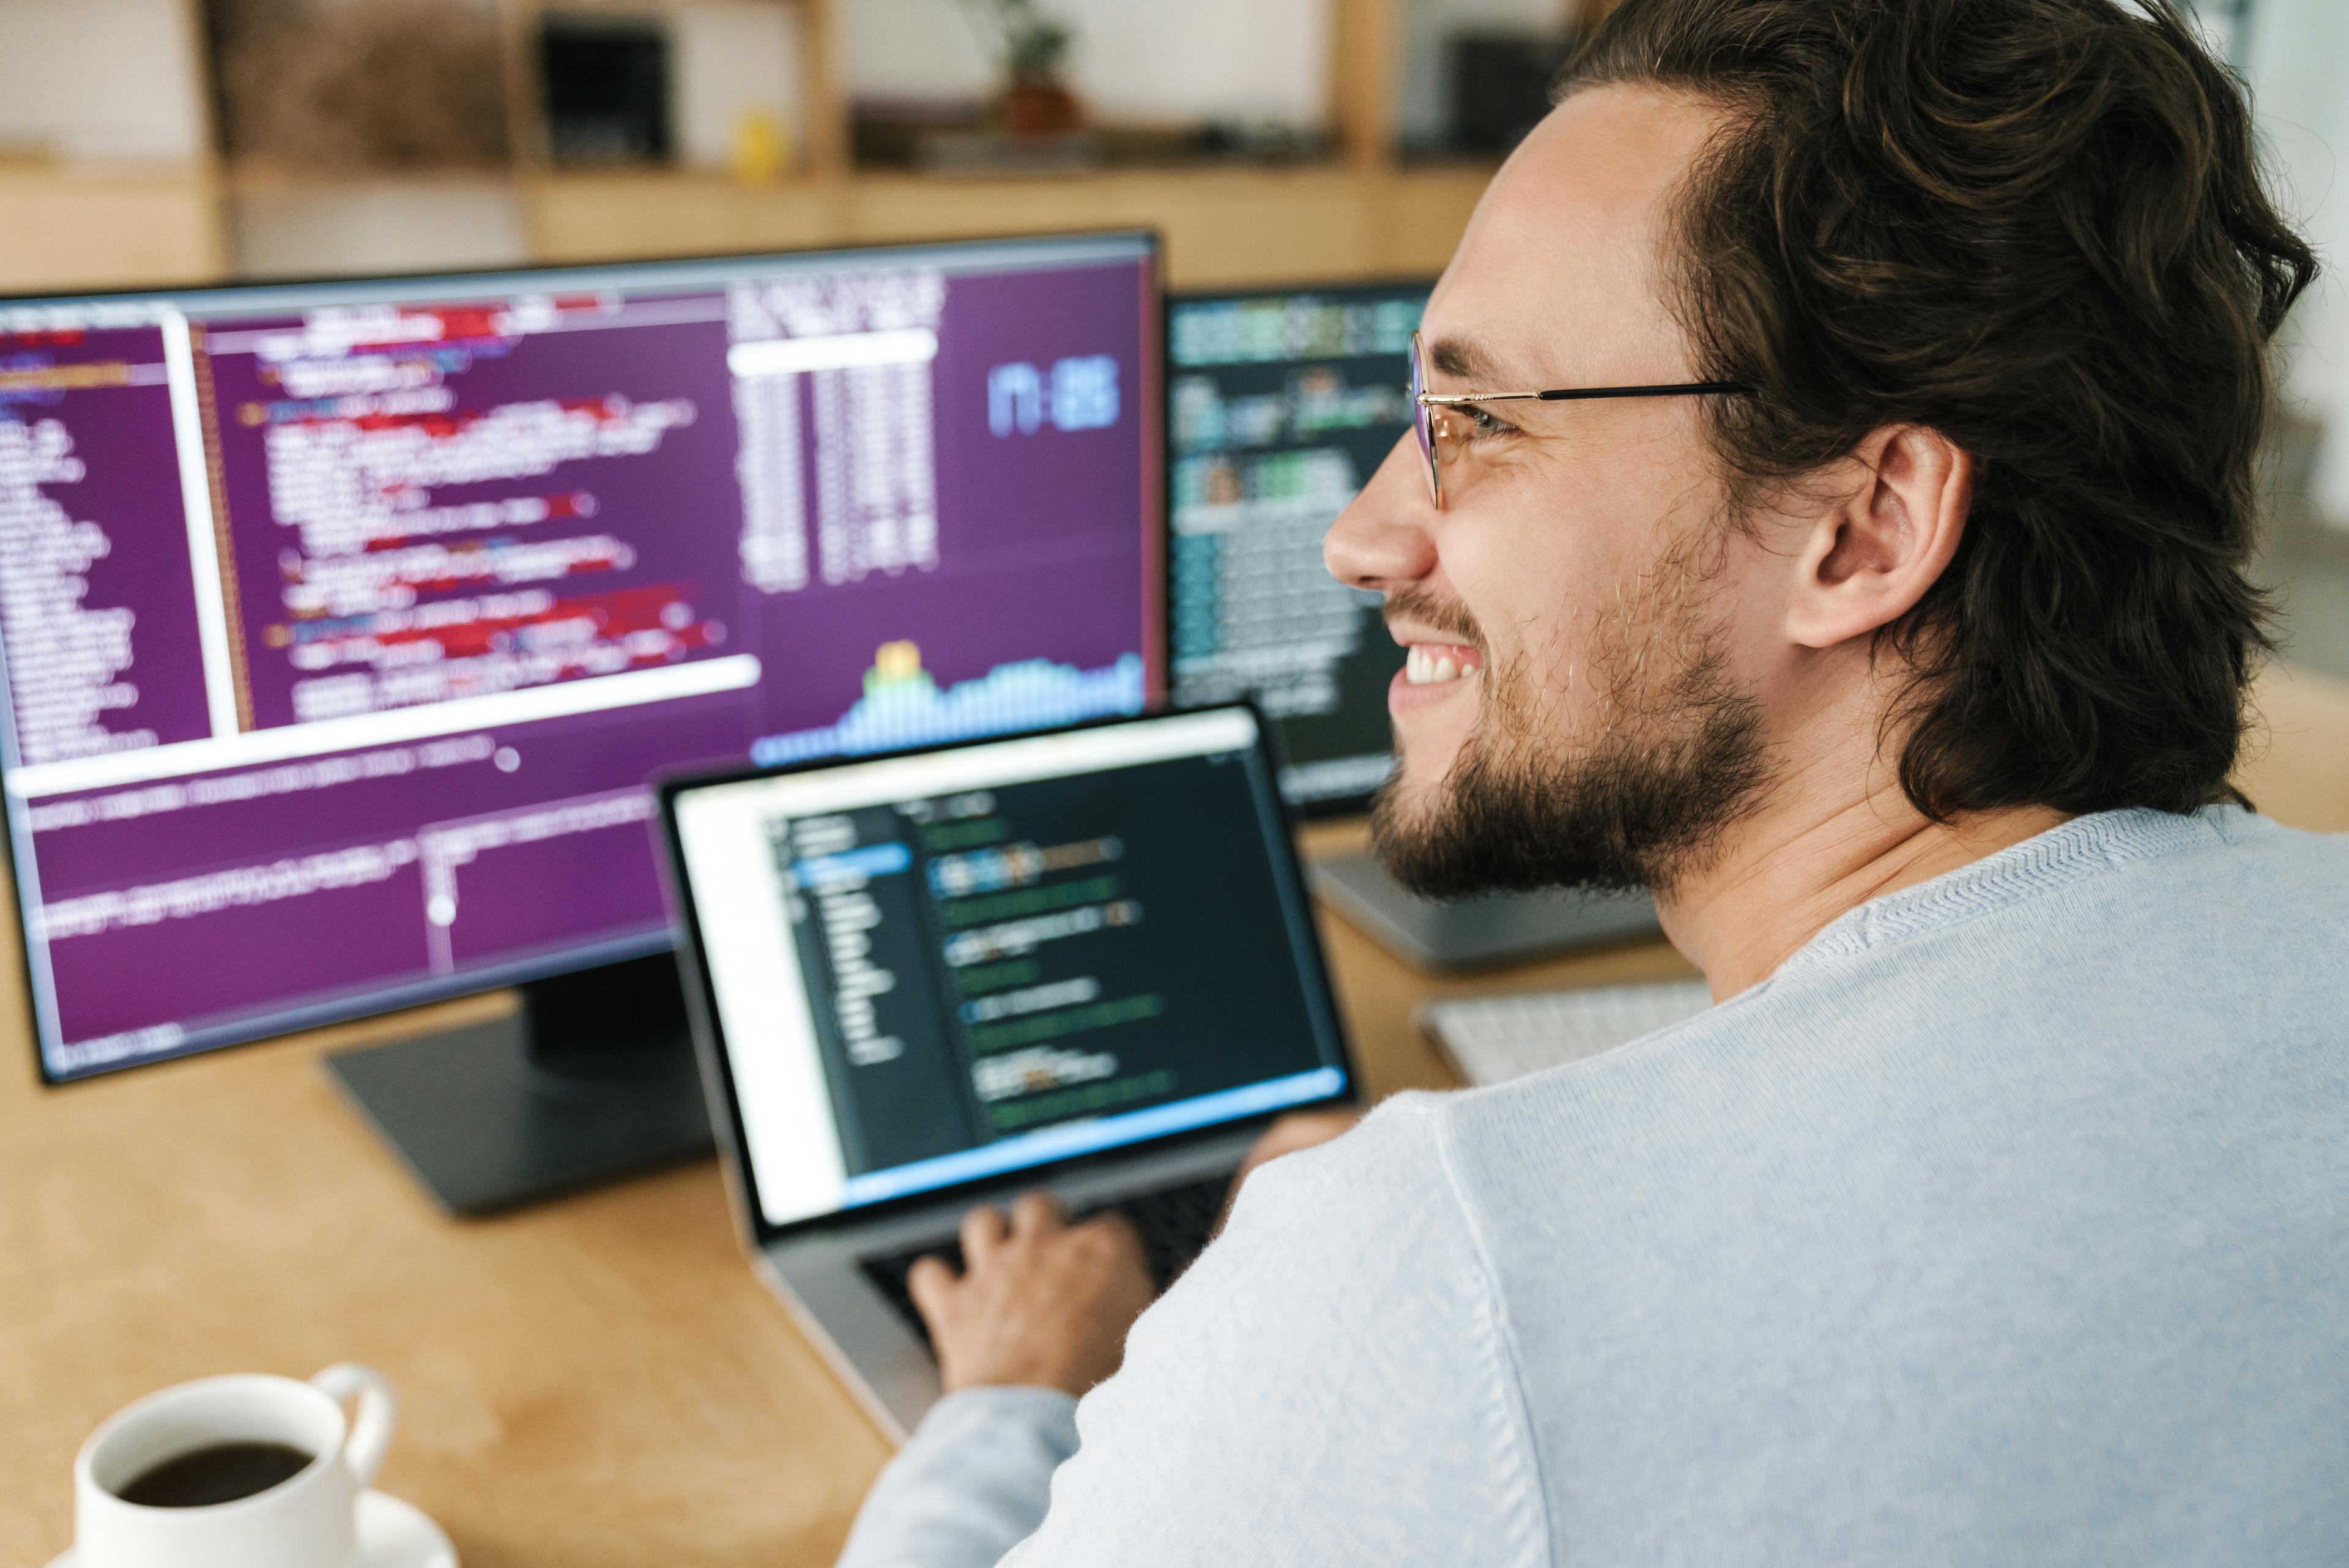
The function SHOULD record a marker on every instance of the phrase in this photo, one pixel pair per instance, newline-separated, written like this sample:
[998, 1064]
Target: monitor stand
[592, 1079]
[1477, 933]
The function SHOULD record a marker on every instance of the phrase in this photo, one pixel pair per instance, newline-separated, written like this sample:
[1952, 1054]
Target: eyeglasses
[1423, 404]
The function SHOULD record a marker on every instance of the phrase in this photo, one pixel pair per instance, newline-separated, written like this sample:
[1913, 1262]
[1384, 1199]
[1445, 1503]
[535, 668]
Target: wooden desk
[597, 1383]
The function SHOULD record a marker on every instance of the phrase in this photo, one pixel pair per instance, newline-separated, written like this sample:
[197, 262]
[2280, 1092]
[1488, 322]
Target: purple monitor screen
[343, 624]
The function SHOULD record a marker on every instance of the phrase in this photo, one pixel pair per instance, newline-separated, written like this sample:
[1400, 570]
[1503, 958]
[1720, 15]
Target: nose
[1382, 541]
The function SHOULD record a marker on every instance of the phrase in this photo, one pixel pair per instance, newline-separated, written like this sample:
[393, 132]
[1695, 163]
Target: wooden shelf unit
[1224, 226]
[822, 131]
[66, 225]
[70, 226]
[1359, 214]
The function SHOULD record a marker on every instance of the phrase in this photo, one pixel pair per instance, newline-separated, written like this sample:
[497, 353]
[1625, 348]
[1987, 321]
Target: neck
[1788, 871]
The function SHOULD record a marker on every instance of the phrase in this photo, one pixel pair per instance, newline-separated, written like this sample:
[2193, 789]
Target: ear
[1866, 561]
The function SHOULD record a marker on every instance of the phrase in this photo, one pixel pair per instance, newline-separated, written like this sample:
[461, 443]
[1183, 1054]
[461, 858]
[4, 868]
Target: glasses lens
[1422, 421]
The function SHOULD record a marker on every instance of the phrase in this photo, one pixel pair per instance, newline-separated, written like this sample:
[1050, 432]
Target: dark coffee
[221, 1473]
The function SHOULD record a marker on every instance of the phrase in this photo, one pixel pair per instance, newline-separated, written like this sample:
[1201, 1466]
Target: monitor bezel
[383, 1000]
[717, 1065]
[1332, 806]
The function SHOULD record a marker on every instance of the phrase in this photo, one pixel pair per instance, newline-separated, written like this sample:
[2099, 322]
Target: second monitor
[1279, 408]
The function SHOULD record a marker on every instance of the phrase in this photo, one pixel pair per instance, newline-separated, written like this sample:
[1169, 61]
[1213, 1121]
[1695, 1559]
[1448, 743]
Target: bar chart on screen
[903, 706]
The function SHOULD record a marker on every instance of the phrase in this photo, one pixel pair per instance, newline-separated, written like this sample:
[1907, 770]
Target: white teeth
[1421, 668]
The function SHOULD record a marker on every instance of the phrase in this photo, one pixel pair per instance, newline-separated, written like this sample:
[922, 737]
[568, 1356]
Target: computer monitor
[1280, 404]
[345, 623]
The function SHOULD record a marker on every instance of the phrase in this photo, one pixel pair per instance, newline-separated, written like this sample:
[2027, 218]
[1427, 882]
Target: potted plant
[1033, 49]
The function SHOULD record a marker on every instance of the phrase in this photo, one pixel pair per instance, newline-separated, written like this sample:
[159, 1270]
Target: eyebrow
[1460, 357]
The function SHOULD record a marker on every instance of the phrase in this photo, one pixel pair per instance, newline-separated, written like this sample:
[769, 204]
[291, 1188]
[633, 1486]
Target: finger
[983, 1231]
[1115, 1229]
[930, 1281]
[1037, 1213]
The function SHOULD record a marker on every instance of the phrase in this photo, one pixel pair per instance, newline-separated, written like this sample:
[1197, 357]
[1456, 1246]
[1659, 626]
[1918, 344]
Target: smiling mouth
[1435, 664]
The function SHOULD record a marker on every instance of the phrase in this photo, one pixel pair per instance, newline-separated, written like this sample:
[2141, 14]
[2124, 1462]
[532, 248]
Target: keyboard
[1493, 1039]
[1174, 1223]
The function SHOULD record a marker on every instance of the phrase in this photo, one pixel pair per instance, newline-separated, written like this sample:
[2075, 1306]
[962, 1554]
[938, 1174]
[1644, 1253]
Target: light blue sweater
[2008, 1223]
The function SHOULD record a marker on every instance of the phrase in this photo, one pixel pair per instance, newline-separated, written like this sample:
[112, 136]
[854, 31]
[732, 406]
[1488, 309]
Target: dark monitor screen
[1279, 406]
[343, 624]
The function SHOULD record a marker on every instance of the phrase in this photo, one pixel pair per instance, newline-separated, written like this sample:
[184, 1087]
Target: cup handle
[378, 1412]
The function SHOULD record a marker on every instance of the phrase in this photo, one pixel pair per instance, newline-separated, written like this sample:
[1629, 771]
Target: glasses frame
[1423, 403]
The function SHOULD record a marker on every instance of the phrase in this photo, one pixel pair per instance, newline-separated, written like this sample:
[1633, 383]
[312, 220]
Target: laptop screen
[934, 968]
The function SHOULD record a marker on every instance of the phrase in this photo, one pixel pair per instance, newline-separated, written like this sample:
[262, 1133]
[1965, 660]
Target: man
[1998, 1213]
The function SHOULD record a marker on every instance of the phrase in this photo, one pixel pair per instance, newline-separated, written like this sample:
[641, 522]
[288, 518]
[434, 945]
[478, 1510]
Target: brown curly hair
[2037, 227]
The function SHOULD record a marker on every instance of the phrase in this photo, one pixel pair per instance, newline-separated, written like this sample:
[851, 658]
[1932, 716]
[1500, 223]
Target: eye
[1482, 423]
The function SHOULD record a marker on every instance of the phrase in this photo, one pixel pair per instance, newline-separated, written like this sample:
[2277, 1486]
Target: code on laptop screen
[1015, 969]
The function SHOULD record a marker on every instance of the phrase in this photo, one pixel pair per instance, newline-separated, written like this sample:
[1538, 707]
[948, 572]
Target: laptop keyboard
[1174, 1224]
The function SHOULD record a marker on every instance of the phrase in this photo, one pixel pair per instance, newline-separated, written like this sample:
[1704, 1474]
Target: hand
[1300, 1129]
[1040, 1304]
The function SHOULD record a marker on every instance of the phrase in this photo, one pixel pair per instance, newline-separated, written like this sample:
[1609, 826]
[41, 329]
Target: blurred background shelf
[1223, 226]
[108, 225]
[1270, 139]
[628, 214]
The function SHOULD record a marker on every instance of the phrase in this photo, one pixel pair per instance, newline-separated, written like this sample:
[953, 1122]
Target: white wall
[1133, 59]
[2298, 62]
[733, 57]
[100, 80]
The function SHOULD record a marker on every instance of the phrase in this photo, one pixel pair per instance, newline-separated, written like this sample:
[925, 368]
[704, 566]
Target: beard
[1522, 809]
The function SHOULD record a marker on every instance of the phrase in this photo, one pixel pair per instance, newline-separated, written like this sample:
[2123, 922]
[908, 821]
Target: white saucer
[396, 1534]
[393, 1534]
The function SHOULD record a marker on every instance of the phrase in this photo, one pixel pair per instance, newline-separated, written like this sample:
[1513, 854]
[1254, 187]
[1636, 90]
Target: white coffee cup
[307, 1522]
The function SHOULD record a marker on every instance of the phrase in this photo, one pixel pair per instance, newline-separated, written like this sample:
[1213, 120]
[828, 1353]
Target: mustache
[1452, 619]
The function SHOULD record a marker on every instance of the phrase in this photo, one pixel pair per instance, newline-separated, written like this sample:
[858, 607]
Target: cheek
[1537, 593]
[1735, 630]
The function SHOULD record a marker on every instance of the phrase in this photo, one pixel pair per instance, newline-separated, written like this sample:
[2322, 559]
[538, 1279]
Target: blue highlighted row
[851, 865]
[1091, 1136]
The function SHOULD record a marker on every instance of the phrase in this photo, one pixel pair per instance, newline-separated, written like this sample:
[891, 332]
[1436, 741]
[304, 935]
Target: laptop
[1082, 960]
